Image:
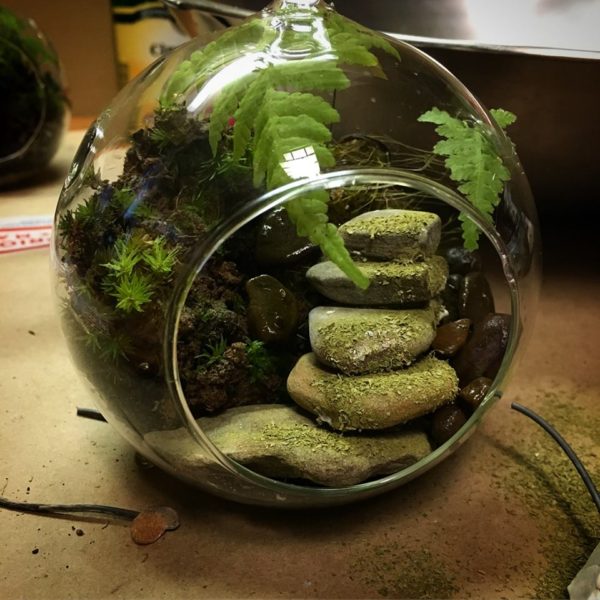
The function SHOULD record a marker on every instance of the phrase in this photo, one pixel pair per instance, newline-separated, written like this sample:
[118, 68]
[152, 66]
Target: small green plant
[473, 162]
[213, 353]
[132, 292]
[159, 258]
[126, 256]
[135, 270]
[261, 363]
[276, 110]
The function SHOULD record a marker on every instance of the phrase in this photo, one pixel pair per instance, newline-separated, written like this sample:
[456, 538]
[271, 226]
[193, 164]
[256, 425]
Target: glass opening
[243, 379]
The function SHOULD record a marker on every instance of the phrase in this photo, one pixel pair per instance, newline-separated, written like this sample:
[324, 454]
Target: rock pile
[366, 370]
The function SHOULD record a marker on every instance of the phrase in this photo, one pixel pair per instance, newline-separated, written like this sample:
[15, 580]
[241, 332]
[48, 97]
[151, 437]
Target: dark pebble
[272, 310]
[462, 261]
[35, 551]
[450, 296]
[451, 337]
[79, 532]
[475, 298]
[278, 243]
[446, 422]
[472, 395]
[483, 353]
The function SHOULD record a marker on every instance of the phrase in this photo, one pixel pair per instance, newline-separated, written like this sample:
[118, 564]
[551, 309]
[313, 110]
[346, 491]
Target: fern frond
[283, 104]
[473, 163]
[339, 26]
[504, 118]
[309, 214]
[223, 109]
[204, 63]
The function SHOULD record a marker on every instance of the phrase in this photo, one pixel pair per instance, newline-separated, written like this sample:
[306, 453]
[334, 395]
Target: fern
[473, 163]
[276, 111]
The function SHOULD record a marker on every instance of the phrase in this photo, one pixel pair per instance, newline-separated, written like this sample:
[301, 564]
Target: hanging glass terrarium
[295, 264]
[34, 107]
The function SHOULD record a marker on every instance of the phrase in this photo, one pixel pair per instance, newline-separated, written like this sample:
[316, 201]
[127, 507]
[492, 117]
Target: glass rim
[278, 197]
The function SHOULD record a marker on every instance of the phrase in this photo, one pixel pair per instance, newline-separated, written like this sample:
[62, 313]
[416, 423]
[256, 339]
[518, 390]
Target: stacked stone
[367, 369]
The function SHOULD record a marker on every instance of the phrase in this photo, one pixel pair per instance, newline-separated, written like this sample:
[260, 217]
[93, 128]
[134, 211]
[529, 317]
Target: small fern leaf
[204, 63]
[473, 162]
[301, 75]
[504, 118]
[282, 104]
[246, 114]
[309, 215]
[336, 25]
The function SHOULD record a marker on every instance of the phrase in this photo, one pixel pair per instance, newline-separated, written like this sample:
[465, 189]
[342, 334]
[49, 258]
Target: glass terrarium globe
[295, 264]
[34, 107]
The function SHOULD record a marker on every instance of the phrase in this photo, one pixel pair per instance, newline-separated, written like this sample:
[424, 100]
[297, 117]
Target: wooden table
[506, 517]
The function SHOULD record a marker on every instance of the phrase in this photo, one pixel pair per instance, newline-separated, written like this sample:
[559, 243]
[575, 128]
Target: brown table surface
[505, 517]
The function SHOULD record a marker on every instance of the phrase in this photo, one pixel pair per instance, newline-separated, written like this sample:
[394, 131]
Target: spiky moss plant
[276, 109]
[473, 162]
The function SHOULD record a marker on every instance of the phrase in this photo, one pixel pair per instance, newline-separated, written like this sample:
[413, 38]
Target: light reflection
[234, 71]
[302, 163]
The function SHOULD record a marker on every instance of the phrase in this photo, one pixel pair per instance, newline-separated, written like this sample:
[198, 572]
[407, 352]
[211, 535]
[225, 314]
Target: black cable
[57, 509]
[585, 476]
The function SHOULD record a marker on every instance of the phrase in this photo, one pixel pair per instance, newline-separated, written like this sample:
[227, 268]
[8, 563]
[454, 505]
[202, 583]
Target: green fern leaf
[504, 118]
[282, 104]
[204, 63]
[309, 214]
[361, 36]
[473, 163]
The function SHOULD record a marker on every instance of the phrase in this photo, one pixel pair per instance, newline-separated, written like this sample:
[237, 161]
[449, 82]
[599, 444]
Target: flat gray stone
[368, 340]
[378, 401]
[277, 441]
[393, 234]
[391, 283]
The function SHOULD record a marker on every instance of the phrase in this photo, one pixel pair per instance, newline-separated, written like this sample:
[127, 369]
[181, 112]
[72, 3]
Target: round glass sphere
[295, 265]
[34, 105]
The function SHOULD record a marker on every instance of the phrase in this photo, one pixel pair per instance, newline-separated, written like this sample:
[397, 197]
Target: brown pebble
[475, 298]
[79, 532]
[473, 394]
[451, 337]
[446, 422]
[150, 525]
[483, 353]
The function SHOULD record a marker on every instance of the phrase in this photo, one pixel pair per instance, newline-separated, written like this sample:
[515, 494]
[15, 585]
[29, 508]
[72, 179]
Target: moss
[543, 478]
[409, 223]
[395, 572]
[381, 340]
[382, 399]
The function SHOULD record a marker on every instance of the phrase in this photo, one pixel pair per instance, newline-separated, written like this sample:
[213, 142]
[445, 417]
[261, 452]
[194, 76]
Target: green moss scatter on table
[392, 571]
[536, 471]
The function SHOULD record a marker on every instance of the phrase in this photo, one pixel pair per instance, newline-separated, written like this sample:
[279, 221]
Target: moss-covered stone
[393, 234]
[378, 401]
[277, 441]
[391, 283]
[364, 340]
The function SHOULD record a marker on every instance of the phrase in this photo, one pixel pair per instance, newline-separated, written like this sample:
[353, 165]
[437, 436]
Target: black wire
[56, 509]
[585, 476]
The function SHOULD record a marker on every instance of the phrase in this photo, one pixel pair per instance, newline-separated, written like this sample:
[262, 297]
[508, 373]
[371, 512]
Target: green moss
[392, 571]
[409, 223]
[365, 336]
[542, 477]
